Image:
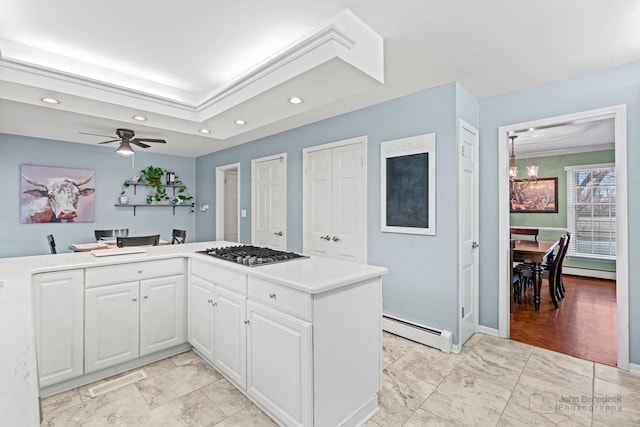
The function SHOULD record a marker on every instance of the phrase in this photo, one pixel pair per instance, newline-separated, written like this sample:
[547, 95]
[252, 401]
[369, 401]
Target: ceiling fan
[126, 138]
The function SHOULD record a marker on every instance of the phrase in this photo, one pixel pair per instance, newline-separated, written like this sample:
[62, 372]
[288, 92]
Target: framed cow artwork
[50, 194]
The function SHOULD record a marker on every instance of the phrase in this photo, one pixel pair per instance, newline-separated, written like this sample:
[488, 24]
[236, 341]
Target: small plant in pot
[152, 176]
[123, 194]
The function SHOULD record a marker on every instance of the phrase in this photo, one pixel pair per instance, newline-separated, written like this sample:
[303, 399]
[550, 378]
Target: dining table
[537, 252]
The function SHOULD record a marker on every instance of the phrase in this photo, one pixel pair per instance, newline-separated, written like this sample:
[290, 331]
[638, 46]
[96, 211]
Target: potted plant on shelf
[152, 176]
[124, 200]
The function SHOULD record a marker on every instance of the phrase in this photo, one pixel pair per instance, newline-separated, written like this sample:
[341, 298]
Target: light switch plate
[243, 213]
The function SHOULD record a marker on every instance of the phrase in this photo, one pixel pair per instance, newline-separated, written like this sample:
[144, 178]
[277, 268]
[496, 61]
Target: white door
[59, 322]
[231, 205]
[269, 202]
[279, 364]
[162, 313]
[230, 334]
[334, 199]
[201, 316]
[348, 203]
[468, 226]
[111, 325]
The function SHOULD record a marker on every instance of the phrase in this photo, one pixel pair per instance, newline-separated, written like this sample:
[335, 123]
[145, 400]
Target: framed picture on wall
[408, 185]
[540, 196]
[51, 194]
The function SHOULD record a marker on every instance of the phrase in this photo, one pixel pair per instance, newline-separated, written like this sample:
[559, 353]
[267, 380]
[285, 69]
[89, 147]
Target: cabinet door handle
[336, 239]
[210, 301]
[327, 237]
[247, 322]
[272, 295]
[146, 297]
[214, 304]
[134, 299]
[139, 271]
[279, 233]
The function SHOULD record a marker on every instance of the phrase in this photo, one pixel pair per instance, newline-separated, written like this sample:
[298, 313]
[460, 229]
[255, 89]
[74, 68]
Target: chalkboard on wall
[408, 185]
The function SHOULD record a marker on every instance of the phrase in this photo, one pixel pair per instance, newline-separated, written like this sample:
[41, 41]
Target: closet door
[334, 214]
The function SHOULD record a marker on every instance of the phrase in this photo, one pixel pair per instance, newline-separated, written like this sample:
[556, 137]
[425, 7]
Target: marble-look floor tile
[471, 342]
[109, 409]
[428, 364]
[371, 424]
[179, 381]
[496, 360]
[401, 395]
[506, 421]
[560, 369]
[185, 358]
[466, 400]
[536, 402]
[629, 380]
[58, 402]
[191, 410]
[251, 416]
[226, 396]
[615, 404]
[422, 418]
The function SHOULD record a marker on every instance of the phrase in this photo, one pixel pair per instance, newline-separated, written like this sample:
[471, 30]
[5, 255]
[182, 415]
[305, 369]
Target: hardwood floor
[583, 326]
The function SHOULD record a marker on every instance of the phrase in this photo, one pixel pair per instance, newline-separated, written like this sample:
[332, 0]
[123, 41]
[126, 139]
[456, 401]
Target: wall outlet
[243, 213]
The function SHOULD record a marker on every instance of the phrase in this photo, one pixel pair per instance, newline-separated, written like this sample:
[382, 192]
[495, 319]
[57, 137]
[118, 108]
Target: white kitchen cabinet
[58, 312]
[279, 364]
[162, 313]
[334, 200]
[200, 324]
[112, 315]
[217, 314]
[230, 334]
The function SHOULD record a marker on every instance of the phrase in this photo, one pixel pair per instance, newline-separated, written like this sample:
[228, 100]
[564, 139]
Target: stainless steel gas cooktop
[251, 256]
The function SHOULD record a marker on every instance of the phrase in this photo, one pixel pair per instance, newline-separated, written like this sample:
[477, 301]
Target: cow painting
[56, 198]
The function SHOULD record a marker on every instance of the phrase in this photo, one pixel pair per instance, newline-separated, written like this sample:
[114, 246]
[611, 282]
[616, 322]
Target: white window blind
[591, 210]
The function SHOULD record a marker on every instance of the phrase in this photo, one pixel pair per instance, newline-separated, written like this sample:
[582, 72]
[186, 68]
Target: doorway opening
[616, 116]
[228, 202]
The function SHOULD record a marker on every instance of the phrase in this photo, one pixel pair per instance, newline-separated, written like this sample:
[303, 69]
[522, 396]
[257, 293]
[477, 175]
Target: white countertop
[18, 379]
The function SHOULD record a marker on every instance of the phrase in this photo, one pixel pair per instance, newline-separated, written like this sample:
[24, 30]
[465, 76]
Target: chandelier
[532, 170]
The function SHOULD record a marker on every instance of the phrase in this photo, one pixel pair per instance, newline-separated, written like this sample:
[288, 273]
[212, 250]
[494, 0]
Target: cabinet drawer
[281, 298]
[108, 274]
[232, 280]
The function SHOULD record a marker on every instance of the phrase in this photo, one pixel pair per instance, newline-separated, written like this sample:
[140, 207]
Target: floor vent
[117, 383]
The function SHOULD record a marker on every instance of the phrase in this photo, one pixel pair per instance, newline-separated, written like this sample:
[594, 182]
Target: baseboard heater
[436, 338]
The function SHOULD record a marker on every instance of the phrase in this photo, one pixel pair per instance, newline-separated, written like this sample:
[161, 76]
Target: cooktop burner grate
[251, 256]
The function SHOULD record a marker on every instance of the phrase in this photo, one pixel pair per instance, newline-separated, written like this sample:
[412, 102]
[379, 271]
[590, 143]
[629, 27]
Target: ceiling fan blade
[139, 144]
[161, 141]
[106, 142]
[95, 134]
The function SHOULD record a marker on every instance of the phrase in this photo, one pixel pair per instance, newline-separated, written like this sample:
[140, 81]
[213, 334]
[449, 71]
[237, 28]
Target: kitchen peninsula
[312, 324]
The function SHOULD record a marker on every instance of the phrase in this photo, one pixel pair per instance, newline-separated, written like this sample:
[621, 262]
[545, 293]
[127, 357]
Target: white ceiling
[165, 60]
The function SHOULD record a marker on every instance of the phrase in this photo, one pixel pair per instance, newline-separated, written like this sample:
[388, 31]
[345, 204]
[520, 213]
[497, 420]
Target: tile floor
[492, 382]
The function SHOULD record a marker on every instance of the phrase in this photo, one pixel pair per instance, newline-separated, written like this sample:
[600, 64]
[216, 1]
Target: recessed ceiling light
[50, 100]
[205, 131]
[139, 118]
[295, 100]
[240, 122]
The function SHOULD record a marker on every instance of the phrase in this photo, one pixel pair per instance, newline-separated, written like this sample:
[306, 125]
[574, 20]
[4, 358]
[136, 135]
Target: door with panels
[334, 200]
[269, 201]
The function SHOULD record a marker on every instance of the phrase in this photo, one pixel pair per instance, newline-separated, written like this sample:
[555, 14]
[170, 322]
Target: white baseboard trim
[486, 330]
[440, 339]
[634, 367]
[586, 272]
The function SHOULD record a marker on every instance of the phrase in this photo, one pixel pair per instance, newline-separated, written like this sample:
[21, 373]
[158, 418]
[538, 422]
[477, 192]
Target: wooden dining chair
[554, 274]
[152, 240]
[52, 244]
[121, 232]
[531, 232]
[178, 237]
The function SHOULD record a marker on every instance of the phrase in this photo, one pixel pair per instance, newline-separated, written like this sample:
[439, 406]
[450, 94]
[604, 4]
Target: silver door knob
[336, 239]
[327, 237]
[279, 233]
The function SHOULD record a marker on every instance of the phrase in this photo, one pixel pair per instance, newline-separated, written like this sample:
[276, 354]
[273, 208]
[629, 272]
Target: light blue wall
[422, 282]
[110, 171]
[615, 86]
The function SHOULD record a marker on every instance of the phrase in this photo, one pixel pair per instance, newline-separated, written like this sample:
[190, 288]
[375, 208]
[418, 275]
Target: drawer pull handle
[279, 233]
[139, 271]
[327, 237]
[210, 301]
[272, 295]
[336, 239]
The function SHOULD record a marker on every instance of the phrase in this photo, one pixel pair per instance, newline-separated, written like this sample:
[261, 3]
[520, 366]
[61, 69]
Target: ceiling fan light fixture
[48, 100]
[125, 149]
[140, 118]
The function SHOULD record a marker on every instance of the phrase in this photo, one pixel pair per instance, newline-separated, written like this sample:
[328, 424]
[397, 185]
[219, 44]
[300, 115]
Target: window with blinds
[591, 210]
